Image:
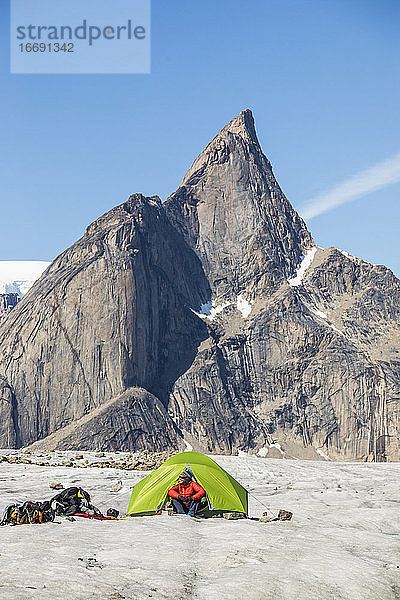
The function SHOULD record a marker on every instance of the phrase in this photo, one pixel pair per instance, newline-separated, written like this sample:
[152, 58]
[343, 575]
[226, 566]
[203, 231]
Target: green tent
[224, 493]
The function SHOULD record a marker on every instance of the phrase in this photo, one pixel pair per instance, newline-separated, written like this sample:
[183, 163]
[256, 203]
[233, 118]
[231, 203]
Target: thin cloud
[372, 179]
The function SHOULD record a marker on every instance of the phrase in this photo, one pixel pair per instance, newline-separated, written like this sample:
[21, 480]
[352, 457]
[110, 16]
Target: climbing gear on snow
[28, 513]
[73, 500]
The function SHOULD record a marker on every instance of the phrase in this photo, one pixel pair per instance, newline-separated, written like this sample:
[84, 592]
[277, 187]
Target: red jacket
[190, 489]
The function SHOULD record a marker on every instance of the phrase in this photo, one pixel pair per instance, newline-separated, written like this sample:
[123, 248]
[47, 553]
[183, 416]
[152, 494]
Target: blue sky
[322, 79]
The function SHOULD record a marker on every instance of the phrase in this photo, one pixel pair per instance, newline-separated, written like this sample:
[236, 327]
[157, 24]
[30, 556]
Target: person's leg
[193, 506]
[178, 506]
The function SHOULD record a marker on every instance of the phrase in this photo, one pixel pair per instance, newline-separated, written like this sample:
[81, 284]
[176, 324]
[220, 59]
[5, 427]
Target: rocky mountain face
[108, 315]
[212, 320]
[232, 212]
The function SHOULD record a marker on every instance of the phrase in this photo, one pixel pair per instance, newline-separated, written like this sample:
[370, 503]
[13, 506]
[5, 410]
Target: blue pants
[185, 507]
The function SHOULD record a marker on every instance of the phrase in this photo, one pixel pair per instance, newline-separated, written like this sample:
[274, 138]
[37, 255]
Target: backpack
[28, 513]
[73, 500]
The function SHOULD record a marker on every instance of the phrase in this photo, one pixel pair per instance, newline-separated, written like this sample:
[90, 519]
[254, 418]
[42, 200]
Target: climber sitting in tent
[186, 495]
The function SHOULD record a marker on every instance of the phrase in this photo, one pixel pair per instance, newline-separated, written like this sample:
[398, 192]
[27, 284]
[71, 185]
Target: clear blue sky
[322, 79]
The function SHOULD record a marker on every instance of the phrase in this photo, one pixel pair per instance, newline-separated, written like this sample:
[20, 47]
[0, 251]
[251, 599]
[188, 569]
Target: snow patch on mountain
[324, 316]
[16, 277]
[243, 306]
[210, 310]
[321, 314]
[188, 446]
[304, 265]
[350, 256]
[322, 453]
[331, 325]
[264, 451]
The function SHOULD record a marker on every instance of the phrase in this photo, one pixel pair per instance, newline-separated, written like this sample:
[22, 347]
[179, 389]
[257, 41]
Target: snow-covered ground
[17, 276]
[342, 544]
